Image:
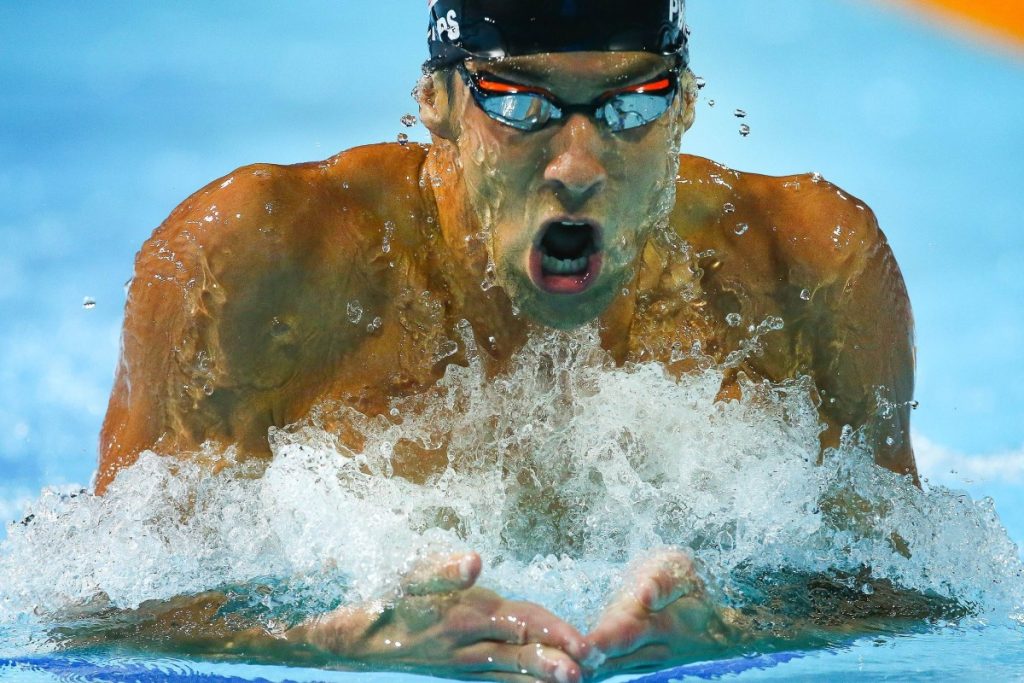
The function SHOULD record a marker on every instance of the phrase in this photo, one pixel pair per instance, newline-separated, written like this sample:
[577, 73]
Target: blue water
[946, 655]
[112, 112]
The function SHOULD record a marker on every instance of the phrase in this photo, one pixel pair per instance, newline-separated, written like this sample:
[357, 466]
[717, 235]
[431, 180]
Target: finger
[522, 622]
[532, 660]
[442, 574]
[663, 579]
[621, 631]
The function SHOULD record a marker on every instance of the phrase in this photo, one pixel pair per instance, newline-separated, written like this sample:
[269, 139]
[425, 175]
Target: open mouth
[566, 256]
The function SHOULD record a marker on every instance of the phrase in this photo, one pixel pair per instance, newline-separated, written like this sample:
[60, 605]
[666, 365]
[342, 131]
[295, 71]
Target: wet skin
[239, 319]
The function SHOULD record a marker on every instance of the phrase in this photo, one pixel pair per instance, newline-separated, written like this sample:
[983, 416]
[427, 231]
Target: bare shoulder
[266, 214]
[801, 248]
[803, 228]
[242, 294]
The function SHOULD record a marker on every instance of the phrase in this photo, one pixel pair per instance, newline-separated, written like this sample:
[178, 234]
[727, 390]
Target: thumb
[443, 574]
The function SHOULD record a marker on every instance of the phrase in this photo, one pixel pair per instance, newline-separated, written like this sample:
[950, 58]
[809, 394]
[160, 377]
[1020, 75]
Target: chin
[562, 311]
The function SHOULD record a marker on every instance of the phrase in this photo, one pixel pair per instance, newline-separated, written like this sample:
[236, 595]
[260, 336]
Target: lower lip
[564, 284]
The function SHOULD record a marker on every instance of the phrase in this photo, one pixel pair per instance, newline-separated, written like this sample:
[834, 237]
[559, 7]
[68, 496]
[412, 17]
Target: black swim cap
[490, 29]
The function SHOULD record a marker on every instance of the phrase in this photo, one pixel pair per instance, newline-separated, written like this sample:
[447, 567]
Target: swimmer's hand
[443, 624]
[662, 617]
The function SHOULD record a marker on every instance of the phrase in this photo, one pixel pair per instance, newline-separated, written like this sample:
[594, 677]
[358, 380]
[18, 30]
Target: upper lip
[596, 225]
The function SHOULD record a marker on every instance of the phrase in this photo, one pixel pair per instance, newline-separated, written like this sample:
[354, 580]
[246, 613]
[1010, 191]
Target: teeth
[559, 266]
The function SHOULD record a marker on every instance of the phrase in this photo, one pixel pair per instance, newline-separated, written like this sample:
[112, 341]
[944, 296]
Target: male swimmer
[554, 177]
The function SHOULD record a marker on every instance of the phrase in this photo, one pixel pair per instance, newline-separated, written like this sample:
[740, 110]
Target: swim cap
[491, 29]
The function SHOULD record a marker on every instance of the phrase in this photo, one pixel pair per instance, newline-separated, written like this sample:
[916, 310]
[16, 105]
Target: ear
[688, 86]
[435, 105]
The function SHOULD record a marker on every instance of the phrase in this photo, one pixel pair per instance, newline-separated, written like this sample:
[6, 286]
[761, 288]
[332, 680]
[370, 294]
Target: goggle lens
[530, 111]
[634, 110]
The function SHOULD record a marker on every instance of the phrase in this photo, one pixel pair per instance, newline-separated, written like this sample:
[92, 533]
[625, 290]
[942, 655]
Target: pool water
[121, 110]
[994, 654]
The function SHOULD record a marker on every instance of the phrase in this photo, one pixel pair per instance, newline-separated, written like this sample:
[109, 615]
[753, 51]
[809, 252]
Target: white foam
[559, 473]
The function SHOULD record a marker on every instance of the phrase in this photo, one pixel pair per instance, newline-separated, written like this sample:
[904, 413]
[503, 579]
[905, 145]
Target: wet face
[566, 209]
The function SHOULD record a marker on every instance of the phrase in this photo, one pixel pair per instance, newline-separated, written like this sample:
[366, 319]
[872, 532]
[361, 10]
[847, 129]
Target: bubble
[805, 294]
[403, 139]
[734, 319]
[389, 233]
[374, 325]
[408, 120]
[728, 208]
[740, 114]
[744, 130]
[711, 103]
[700, 82]
[448, 348]
[354, 311]
[88, 303]
[741, 229]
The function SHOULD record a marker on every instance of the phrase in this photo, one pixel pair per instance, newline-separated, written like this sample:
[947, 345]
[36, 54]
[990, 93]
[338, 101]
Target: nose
[575, 172]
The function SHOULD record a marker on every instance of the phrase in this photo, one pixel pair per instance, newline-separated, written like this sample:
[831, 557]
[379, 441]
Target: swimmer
[553, 195]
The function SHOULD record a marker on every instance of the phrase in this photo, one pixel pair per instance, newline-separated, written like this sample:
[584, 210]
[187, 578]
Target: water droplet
[744, 130]
[816, 177]
[805, 294]
[914, 405]
[448, 349]
[740, 114]
[408, 120]
[88, 303]
[403, 139]
[700, 82]
[734, 319]
[741, 229]
[711, 103]
[354, 311]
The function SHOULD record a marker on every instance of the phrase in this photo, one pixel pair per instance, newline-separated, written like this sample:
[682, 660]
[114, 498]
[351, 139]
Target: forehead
[577, 71]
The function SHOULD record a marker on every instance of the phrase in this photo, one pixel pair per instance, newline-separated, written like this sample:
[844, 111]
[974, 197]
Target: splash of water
[558, 472]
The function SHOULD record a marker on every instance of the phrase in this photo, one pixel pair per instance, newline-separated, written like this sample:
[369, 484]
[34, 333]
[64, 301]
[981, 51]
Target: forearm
[193, 625]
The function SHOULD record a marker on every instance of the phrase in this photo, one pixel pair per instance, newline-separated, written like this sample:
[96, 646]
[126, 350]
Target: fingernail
[562, 673]
[466, 568]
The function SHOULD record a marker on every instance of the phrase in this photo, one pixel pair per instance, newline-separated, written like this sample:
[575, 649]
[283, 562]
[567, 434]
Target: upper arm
[216, 323]
[863, 357]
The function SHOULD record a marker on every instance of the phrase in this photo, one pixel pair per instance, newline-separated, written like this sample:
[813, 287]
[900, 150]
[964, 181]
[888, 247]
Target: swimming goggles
[530, 109]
